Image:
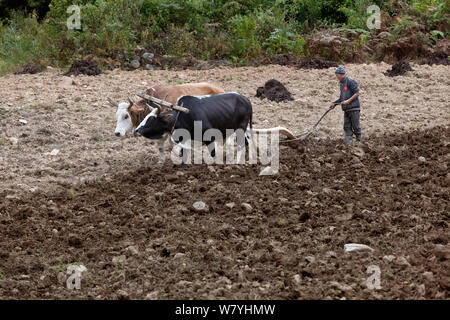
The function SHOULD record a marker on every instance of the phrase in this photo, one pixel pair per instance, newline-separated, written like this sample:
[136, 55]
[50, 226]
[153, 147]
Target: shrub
[23, 40]
[240, 29]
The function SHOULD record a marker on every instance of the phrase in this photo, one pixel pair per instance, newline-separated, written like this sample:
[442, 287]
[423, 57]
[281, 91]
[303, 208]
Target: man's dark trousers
[351, 126]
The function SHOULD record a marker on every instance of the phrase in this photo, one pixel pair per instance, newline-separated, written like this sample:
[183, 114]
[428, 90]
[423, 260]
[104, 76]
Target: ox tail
[252, 135]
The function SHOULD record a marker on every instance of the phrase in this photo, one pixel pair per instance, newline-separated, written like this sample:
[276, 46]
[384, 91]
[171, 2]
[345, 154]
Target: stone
[152, 295]
[159, 195]
[135, 63]
[148, 56]
[200, 206]
[116, 145]
[401, 261]
[133, 250]
[422, 159]
[268, 171]
[230, 205]
[442, 252]
[63, 100]
[340, 286]
[14, 141]
[119, 259]
[247, 207]
[54, 152]
[23, 121]
[421, 290]
[428, 276]
[150, 67]
[179, 255]
[384, 35]
[389, 258]
[358, 152]
[349, 247]
[123, 295]
[62, 278]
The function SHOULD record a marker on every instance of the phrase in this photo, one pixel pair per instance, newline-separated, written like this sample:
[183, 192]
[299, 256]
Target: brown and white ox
[130, 114]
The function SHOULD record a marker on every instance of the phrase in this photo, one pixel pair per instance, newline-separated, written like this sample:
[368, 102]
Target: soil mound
[399, 69]
[315, 63]
[274, 90]
[437, 57]
[29, 68]
[85, 67]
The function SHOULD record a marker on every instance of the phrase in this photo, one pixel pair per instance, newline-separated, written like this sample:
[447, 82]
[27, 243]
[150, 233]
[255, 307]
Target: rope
[176, 119]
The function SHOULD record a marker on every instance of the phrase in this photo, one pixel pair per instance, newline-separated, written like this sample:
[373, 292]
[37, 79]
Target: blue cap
[340, 70]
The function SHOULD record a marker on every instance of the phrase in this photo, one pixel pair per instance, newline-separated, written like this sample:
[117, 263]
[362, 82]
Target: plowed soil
[105, 203]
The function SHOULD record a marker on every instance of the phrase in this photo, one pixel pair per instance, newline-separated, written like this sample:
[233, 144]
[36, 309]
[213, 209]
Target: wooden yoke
[163, 103]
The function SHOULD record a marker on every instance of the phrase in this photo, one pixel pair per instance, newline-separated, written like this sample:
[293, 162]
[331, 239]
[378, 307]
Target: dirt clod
[74, 241]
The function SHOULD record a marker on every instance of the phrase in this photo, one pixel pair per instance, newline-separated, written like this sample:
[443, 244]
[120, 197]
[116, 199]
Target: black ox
[220, 112]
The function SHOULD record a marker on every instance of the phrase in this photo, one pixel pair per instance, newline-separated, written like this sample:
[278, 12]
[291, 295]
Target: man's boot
[348, 139]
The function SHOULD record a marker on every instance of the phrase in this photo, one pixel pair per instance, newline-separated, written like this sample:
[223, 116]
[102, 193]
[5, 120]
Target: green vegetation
[241, 30]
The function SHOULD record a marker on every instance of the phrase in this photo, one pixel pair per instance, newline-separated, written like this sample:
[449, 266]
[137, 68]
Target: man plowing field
[350, 105]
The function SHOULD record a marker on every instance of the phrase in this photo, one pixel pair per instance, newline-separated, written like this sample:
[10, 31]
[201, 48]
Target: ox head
[155, 125]
[124, 124]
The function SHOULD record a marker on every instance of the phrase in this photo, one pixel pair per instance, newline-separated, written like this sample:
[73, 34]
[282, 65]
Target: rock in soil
[200, 206]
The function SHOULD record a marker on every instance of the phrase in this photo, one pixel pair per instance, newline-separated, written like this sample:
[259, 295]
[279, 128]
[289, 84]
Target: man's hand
[333, 106]
[346, 102]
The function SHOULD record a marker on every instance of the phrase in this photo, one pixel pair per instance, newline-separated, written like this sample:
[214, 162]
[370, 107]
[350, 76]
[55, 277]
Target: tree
[40, 6]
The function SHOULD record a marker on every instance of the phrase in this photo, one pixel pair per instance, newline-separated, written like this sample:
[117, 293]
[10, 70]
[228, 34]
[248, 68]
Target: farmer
[350, 105]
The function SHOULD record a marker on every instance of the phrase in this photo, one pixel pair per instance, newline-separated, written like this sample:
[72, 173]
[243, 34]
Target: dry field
[95, 201]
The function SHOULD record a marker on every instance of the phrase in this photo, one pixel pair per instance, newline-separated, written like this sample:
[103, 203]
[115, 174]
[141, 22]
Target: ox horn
[113, 103]
[130, 101]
